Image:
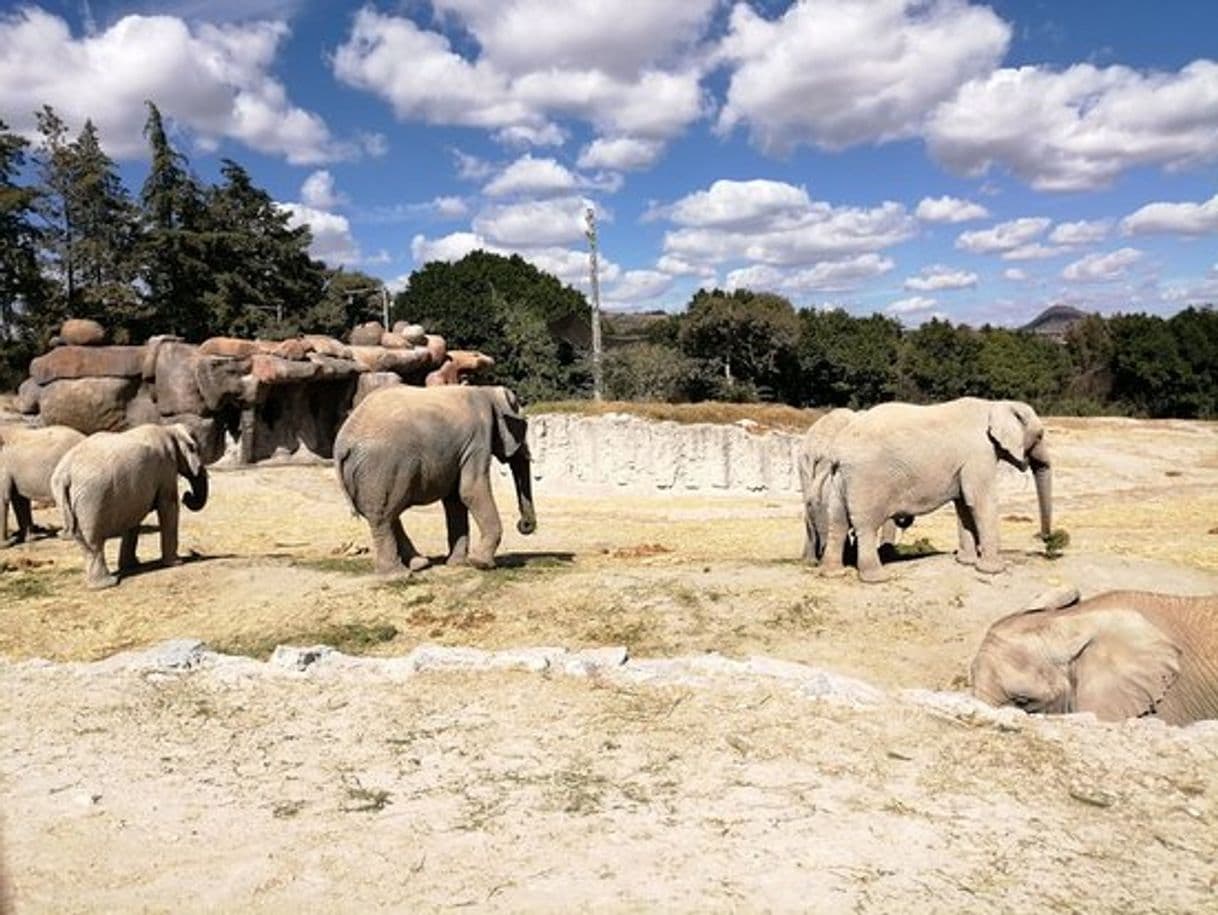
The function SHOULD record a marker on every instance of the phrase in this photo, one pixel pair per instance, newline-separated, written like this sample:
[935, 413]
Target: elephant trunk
[521, 465]
[197, 497]
[1038, 458]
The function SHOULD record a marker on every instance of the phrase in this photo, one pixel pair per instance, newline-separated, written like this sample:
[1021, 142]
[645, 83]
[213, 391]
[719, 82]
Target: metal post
[598, 391]
[385, 308]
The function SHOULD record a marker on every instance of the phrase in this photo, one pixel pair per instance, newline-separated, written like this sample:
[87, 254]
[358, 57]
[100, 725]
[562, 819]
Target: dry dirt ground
[354, 790]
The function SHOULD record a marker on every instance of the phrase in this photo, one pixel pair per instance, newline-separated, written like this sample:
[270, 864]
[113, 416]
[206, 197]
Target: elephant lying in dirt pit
[1122, 654]
[406, 446]
[900, 459]
[107, 484]
[27, 460]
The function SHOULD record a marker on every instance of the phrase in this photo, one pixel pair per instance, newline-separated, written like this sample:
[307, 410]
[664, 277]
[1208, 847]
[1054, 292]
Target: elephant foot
[479, 562]
[170, 563]
[966, 559]
[457, 559]
[832, 571]
[875, 576]
[419, 563]
[64, 534]
[991, 566]
[7, 542]
[100, 584]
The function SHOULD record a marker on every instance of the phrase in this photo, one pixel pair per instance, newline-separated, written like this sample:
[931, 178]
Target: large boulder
[222, 382]
[88, 404]
[232, 347]
[82, 332]
[459, 365]
[175, 381]
[88, 362]
[367, 334]
[412, 362]
[28, 395]
[142, 408]
[268, 369]
[413, 333]
[328, 346]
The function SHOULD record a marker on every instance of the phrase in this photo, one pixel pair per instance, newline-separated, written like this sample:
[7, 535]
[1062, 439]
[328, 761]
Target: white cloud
[531, 176]
[332, 242]
[739, 204]
[937, 277]
[450, 247]
[623, 69]
[533, 223]
[677, 266]
[212, 80]
[471, 168]
[1079, 128]
[639, 285]
[1174, 218]
[1034, 251]
[449, 207]
[620, 153]
[949, 209]
[1005, 236]
[1015, 275]
[318, 191]
[826, 276]
[1084, 232]
[911, 305]
[834, 73]
[1102, 268]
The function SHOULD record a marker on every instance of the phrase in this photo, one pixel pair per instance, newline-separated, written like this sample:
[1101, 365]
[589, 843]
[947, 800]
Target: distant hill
[1055, 321]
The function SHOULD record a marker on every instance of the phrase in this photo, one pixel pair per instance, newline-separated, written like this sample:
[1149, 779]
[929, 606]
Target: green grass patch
[349, 638]
[1056, 542]
[343, 565]
[920, 547]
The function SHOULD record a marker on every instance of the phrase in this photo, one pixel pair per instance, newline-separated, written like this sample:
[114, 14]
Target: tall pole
[385, 308]
[598, 390]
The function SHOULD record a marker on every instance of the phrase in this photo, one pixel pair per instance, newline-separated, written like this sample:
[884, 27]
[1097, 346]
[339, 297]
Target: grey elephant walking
[900, 459]
[107, 484]
[406, 446]
[27, 459]
[1121, 654]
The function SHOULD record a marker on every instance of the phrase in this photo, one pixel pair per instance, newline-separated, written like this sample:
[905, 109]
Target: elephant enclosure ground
[246, 786]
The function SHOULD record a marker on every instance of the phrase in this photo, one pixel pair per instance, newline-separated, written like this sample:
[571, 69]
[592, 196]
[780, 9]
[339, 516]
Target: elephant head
[1109, 660]
[509, 444]
[190, 465]
[1019, 438]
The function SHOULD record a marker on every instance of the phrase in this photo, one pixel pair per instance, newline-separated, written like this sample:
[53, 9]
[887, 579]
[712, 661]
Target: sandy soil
[520, 791]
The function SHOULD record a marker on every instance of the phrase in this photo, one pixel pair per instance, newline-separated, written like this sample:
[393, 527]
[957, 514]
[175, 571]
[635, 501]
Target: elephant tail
[346, 462]
[61, 492]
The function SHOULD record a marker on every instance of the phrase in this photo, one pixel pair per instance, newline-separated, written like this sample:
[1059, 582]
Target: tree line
[181, 256]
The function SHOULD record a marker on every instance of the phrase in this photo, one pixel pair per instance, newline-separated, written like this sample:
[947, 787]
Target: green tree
[653, 372]
[847, 361]
[940, 362]
[1196, 333]
[22, 290]
[1015, 365]
[174, 248]
[534, 326]
[349, 298]
[750, 336]
[263, 280]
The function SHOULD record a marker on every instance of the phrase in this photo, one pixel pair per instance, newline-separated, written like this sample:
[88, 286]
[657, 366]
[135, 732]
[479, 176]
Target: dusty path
[527, 791]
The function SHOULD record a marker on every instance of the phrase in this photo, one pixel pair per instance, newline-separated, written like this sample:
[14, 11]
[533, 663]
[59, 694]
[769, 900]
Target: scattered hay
[642, 551]
[1056, 541]
[920, 547]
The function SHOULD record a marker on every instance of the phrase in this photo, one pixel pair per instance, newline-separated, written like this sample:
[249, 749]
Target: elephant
[105, 485]
[27, 459]
[407, 445]
[1120, 654]
[814, 465]
[900, 459]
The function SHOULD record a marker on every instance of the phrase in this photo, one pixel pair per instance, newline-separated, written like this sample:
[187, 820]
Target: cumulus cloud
[620, 68]
[911, 305]
[834, 73]
[638, 285]
[937, 277]
[1173, 219]
[1102, 268]
[528, 175]
[1078, 128]
[620, 153]
[1015, 274]
[1005, 236]
[1034, 251]
[949, 209]
[318, 191]
[212, 80]
[332, 242]
[533, 223]
[1084, 232]
[774, 223]
[826, 276]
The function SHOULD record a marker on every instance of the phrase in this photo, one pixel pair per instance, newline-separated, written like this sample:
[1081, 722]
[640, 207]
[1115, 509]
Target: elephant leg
[983, 504]
[407, 552]
[870, 568]
[387, 556]
[6, 487]
[812, 544]
[97, 575]
[888, 539]
[127, 559]
[476, 495]
[456, 515]
[167, 518]
[966, 532]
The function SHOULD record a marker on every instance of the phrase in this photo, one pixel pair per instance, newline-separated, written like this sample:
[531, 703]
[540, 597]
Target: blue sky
[912, 157]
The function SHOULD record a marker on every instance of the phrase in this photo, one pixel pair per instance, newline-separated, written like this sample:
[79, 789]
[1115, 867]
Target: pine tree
[22, 290]
[55, 215]
[174, 254]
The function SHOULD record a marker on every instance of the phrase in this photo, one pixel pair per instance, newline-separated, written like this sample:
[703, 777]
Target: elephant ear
[1054, 599]
[189, 461]
[1006, 428]
[510, 425]
[1125, 669]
